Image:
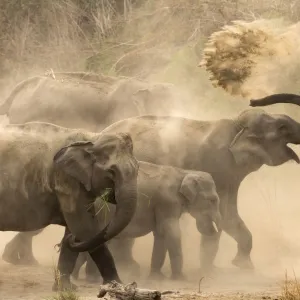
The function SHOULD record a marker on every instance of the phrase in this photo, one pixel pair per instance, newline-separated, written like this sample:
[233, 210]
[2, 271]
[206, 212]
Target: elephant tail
[6, 104]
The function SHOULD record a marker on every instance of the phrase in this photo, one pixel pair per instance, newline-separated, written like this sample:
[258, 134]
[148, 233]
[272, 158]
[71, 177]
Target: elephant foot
[16, 258]
[64, 284]
[10, 258]
[178, 277]
[19, 252]
[243, 262]
[75, 276]
[29, 261]
[157, 276]
[93, 278]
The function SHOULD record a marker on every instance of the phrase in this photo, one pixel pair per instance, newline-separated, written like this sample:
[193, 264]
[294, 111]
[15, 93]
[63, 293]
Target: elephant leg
[209, 247]
[237, 229]
[105, 262]
[81, 260]
[83, 225]
[91, 270]
[19, 250]
[66, 263]
[159, 254]
[122, 251]
[172, 235]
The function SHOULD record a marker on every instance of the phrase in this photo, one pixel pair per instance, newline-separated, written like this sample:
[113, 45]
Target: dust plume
[254, 59]
[161, 42]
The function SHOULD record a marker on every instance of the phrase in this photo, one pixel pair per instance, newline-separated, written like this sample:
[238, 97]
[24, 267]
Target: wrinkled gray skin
[228, 149]
[52, 174]
[276, 98]
[164, 194]
[87, 100]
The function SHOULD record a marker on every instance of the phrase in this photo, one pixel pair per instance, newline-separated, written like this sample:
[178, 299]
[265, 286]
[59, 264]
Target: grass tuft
[62, 294]
[290, 289]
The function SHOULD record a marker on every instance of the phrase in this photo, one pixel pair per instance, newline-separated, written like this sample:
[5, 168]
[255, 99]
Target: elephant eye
[283, 128]
[213, 200]
[102, 157]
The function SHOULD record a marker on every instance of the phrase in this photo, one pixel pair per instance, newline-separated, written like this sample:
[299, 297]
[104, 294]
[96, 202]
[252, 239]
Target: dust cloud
[266, 57]
[269, 200]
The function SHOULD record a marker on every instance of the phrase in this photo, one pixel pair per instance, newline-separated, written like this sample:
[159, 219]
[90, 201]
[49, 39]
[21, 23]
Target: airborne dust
[269, 201]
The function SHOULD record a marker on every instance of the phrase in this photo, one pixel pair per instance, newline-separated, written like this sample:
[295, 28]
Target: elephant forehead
[122, 140]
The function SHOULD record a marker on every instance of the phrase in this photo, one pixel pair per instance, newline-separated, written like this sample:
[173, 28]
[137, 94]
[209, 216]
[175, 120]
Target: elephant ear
[248, 143]
[76, 161]
[189, 187]
[245, 147]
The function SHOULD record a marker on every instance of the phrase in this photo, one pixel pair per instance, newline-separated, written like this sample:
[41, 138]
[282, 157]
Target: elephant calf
[164, 193]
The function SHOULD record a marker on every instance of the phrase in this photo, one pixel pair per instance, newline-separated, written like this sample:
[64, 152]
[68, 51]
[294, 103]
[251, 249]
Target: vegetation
[158, 40]
[105, 35]
[291, 289]
[63, 294]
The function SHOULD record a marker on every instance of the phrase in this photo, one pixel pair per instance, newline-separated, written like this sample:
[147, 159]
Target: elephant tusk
[215, 226]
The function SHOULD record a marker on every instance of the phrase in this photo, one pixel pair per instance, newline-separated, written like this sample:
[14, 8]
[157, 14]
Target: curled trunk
[126, 198]
[276, 98]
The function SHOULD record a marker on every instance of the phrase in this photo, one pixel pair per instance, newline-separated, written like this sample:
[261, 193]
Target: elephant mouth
[291, 154]
[208, 226]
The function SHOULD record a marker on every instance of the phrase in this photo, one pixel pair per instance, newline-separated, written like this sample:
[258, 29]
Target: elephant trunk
[276, 98]
[126, 198]
[209, 225]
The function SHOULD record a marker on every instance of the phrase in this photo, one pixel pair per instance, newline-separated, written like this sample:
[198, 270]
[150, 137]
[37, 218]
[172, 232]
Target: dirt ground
[34, 283]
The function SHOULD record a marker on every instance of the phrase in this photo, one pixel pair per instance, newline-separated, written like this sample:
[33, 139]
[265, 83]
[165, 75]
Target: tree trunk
[128, 292]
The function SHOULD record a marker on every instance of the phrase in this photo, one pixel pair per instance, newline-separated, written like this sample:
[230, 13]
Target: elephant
[228, 149]
[164, 194]
[52, 175]
[59, 98]
[276, 98]
[80, 100]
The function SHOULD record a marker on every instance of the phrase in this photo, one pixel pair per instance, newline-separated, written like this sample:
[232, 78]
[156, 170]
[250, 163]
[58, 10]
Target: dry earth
[34, 283]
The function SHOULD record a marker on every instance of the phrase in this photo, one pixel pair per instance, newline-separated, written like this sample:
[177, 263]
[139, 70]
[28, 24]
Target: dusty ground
[34, 283]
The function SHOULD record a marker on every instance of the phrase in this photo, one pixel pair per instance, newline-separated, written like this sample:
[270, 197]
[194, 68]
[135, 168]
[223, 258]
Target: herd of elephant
[87, 140]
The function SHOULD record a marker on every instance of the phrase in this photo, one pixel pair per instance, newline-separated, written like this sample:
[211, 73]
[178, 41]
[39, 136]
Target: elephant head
[262, 138]
[157, 99]
[276, 98]
[106, 163]
[203, 201]
[141, 98]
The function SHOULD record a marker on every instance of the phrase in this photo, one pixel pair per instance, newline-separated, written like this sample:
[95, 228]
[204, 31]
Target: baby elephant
[164, 193]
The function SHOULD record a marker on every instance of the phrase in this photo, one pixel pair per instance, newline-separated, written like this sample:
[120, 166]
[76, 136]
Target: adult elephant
[276, 98]
[80, 100]
[228, 149]
[53, 173]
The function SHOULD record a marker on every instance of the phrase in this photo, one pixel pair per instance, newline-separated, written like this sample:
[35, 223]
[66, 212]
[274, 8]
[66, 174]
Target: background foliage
[150, 39]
